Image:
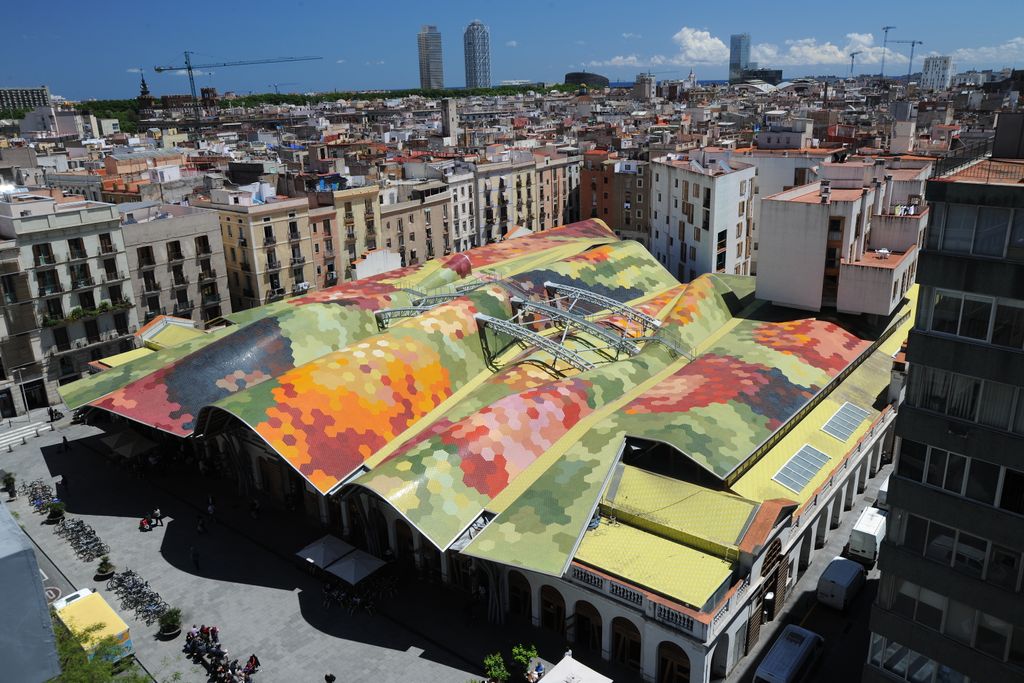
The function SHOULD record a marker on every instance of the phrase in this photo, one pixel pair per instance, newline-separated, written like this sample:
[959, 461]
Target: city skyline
[662, 40]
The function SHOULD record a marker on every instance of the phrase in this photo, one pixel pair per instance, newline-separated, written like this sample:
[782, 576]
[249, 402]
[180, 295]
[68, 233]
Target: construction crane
[885, 45]
[853, 56]
[189, 67]
[912, 44]
[277, 86]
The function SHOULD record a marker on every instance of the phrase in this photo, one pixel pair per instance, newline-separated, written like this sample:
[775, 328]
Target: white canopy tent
[571, 671]
[355, 567]
[325, 551]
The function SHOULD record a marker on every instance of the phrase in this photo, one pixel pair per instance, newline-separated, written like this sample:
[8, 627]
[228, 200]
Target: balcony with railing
[207, 275]
[82, 283]
[152, 313]
[211, 299]
[269, 240]
[77, 254]
[44, 260]
[50, 288]
[328, 253]
[245, 266]
[242, 241]
[175, 256]
[203, 249]
[113, 276]
[183, 306]
[147, 262]
[180, 280]
[298, 260]
[294, 236]
[150, 286]
[92, 340]
[273, 264]
[105, 249]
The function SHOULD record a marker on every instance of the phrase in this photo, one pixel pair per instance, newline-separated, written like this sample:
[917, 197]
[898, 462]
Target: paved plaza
[247, 581]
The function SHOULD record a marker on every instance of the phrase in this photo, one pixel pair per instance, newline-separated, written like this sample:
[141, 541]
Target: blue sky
[82, 50]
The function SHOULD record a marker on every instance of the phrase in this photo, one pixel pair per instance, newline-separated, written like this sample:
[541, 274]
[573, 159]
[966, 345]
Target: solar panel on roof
[845, 421]
[801, 468]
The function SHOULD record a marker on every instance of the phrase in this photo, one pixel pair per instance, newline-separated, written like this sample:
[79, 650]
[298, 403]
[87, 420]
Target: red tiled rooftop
[990, 172]
[874, 259]
[836, 195]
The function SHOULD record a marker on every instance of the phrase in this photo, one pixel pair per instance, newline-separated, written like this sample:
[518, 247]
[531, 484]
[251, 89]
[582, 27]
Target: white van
[867, 535]
[840, 583]
[792, 657]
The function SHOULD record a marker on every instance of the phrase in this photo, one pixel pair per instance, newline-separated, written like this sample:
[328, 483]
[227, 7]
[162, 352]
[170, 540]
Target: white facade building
[700, 213]
[849, 241]
[937, 73]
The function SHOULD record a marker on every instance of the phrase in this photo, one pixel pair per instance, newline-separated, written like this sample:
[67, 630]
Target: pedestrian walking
[195, 556]
[158, 518]
[65, 444]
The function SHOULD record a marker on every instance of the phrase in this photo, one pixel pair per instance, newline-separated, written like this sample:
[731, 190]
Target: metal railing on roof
[963, 157]
[525, 335]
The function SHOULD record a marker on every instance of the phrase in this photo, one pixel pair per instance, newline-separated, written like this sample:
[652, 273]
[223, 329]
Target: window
[1012, 498]
[969, 556]
[990, 233]
[1003, 567]
[982, 480]
[939, 544]
[1008, 326]
[912, 459]
[960, 622]
[992, 636]
[959, 232]
[996, 405]
[915, 534]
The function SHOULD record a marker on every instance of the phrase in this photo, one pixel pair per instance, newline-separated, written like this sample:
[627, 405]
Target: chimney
[825, 190]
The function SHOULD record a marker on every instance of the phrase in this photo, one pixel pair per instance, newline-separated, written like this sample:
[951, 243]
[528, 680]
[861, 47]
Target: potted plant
[106, 569]
[170, 623]
[523, 656]
[9, 485]
[55, 511]
[494, 668]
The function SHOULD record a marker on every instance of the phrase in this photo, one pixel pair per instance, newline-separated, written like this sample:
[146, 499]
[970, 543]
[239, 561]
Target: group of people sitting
[202, 645]
[154, 518]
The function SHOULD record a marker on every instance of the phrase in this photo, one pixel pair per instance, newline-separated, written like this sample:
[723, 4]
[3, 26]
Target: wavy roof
[451, 422]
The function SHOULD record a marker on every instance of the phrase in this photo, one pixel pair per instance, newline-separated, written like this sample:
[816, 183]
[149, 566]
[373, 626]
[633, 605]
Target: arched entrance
[405, 549]
[588, 629]
[519, 601]
[626, 643]
[673, 664]
[552, 610]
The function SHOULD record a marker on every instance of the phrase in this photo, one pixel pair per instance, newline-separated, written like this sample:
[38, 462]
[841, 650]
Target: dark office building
[949, 605]
[772, 76]
[584, 78]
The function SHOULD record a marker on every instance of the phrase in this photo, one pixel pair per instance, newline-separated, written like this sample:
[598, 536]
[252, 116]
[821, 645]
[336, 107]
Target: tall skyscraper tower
[431, 66]
[739, 55]
[949, 601]
[477, 43]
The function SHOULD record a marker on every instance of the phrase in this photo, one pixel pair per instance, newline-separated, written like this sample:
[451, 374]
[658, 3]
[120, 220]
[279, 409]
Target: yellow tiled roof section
[657, 564]
[862, 388]
[126, 357]
[718, 517]
[172, 335]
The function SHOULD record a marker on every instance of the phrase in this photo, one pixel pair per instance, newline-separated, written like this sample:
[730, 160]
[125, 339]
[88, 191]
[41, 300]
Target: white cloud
[628, 35]
[699, 47]
[512, 43]
[340, 61]
[808, 51]
[996, 55]
[619, 60]
[134, 69]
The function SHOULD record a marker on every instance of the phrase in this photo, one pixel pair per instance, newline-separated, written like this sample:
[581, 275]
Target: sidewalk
[249, 583]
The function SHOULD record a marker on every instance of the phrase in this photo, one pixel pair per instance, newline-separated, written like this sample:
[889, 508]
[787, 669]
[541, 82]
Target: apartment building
[24, 98]
[344, 225]
[506, 195]
[949, 605]
[558, 183]
[458, 176]
[417, 225]
[778, 169]
[700, 213]
[616, 191]
[176, 260]
[68, 299]
[267, 242]
[849, 241]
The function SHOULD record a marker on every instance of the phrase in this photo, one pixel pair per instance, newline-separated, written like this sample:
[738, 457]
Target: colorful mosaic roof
[453, 422]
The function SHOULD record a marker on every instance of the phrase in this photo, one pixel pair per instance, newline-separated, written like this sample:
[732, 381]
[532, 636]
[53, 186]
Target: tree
[494, 668]
[522, 655]
[76, 665]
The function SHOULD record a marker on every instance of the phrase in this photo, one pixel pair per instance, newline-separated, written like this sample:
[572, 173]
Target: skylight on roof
[801, 468]
[845, 421]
